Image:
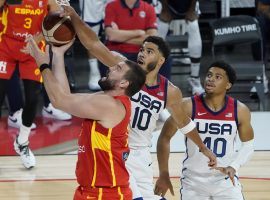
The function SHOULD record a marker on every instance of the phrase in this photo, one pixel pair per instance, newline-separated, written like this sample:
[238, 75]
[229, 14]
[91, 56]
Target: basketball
[57, 30]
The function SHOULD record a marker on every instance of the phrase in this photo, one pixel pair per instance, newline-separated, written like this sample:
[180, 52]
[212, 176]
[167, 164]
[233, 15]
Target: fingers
[159, 191]
[171, 190]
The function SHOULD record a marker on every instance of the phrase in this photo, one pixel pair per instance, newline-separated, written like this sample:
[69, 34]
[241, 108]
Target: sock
[24, 134]
[195, 69]
[163, 28]
[93, 64]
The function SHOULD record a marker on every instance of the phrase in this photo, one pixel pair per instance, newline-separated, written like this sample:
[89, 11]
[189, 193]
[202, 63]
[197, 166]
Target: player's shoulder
[242, 109]
[173, 93]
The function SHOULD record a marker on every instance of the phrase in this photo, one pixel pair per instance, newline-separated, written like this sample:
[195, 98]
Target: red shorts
[10, 55]
[117, 193]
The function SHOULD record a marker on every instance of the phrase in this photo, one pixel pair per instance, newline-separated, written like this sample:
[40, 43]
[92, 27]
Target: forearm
[163, 152]
[121, 35]
[139, 40]
[163, 145]
[194, 136]
[86, 35]
[243, 155]
[90, 41]
[53, 89]
[58, 69]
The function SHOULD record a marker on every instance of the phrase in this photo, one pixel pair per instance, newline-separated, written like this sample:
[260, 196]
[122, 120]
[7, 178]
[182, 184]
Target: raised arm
[90, 40]
[80, 105]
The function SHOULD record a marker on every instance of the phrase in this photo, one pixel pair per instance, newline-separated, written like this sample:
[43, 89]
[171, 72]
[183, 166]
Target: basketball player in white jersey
[157, 94]
[219, 118]
[92, 12]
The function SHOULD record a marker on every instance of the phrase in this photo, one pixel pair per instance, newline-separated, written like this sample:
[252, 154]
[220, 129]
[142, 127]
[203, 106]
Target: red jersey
[102, 152]
[22, 20]
[141, 16]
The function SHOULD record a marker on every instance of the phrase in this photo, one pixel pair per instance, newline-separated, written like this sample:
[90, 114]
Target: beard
[151, 66]
[106, 84]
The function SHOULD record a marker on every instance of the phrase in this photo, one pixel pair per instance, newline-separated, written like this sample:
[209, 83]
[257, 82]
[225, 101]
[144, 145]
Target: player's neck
[215, 102]
[151, 79]
[130, 3]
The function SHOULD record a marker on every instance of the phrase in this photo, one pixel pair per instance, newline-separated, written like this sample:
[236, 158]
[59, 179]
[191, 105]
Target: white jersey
[146, 106]
[218, 131]
[92, 10]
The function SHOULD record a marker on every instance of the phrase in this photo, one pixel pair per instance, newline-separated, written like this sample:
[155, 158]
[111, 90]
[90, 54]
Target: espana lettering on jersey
[28, 11]
[214, 128]
[235, 29]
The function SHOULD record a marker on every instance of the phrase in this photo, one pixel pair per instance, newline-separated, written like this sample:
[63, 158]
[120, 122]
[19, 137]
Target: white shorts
[92, 10]
[206, 188]
[139, 165]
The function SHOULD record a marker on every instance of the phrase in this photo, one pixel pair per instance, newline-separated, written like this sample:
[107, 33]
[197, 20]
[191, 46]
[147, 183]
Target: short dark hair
[136, 77]
[227, 68]
[163, 47]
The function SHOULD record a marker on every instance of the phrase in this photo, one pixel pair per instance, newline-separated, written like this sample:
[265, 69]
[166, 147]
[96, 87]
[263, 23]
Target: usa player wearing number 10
[218, 118]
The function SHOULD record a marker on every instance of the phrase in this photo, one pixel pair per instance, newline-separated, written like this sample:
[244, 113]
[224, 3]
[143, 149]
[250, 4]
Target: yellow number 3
[28, 22]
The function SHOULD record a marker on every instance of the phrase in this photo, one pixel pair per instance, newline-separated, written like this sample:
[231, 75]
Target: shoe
[15, 120]
[253, 92]
[27, 157]
[93, 85]
[51, 112]
[196, 86]
[185, 61]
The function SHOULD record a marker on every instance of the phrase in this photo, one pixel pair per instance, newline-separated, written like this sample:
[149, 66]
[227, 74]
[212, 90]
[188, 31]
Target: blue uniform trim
[236, 112]
[193, 107]
[139, 198]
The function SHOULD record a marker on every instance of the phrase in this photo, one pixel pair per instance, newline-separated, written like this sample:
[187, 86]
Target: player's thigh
[139, 164]
[7, 63]
[29, 69]
[187, 193]
[228, 191]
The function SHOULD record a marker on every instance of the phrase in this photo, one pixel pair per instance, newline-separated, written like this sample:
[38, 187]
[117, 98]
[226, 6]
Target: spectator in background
[92, 12]
[127, 24]
[263, 16]
[187, 9]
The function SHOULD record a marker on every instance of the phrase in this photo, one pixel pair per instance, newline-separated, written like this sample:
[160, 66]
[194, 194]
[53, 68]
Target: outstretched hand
[63, 48]
[162, 185]
[67, 11]
[209, 154]
[227, 171]
[33, 49]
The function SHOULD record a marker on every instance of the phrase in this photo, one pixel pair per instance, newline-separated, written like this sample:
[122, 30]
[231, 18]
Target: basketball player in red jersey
[219, 118]
[103, 145]
[21, 20]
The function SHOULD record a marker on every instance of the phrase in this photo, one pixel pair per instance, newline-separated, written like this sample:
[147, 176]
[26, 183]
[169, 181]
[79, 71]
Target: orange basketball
[57, 30]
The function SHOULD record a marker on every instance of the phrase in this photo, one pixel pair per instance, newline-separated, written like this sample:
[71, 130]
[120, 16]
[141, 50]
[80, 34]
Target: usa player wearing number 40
[218, 118]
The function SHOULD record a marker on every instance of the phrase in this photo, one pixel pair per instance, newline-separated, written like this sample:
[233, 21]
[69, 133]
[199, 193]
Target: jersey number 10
[218, 145]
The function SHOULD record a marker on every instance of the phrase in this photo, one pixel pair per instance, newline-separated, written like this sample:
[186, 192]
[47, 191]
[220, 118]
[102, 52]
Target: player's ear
[228, 86]
[161, 60]
[124, 83]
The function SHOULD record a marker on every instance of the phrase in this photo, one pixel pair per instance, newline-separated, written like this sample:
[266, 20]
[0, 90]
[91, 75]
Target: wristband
[43, 67]
[187, 128]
